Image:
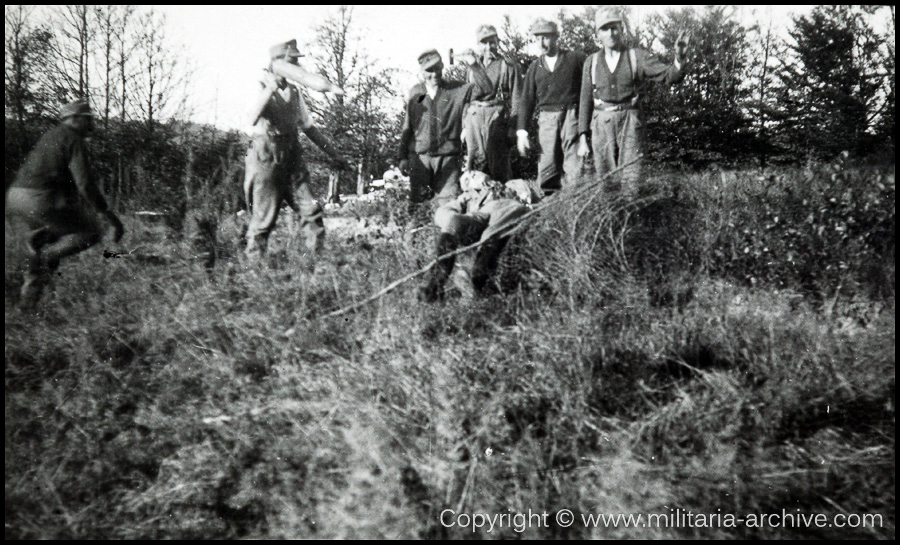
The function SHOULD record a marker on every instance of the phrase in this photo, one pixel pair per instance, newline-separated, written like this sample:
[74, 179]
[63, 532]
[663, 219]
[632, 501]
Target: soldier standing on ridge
[274, 160]
[609, 97]
[552, 85]
[491, 120]
[46, 200]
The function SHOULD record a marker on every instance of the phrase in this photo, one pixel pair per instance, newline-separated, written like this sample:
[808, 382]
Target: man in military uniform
[609, 109]
[47, 201]
[486, 210]
[275, 166]
[490, 121]
[551, 86]
[432, 127]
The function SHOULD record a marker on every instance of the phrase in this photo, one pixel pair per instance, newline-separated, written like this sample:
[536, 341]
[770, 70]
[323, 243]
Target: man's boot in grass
[434, 290]
[485, 264]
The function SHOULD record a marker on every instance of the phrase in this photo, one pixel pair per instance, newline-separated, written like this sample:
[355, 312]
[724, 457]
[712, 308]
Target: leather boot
[485, 263]
[434, 289]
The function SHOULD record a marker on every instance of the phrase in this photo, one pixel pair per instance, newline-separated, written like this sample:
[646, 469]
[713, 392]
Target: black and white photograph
[450, 272]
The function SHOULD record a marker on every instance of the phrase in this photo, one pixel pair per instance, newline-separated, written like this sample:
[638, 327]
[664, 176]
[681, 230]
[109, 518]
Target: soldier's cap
[430, 59]
[78, 107]
[486, 31]
[285, 49]
[604, 16]
[543, 26]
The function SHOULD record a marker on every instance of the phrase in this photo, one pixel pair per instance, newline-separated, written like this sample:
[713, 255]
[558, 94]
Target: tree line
[750, 95]
[753, 96]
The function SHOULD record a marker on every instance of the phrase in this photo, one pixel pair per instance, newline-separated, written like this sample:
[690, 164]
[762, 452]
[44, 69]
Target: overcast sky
[228, 45]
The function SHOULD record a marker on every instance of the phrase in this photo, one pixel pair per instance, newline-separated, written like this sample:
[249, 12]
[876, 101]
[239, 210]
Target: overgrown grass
[152, 398]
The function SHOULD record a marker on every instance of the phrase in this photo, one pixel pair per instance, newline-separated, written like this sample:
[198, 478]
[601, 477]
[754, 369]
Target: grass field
[723, 346]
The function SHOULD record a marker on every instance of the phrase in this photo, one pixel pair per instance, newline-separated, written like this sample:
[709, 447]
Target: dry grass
[152, 399]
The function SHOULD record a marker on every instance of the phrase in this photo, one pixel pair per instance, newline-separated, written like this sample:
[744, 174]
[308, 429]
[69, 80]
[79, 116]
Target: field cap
[286, 49]
[74, 108]
[430, 59]
[486, 31]
[543, 26]
[605, 16]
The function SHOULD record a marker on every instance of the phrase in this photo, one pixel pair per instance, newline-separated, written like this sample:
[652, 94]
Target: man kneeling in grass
[485, 211]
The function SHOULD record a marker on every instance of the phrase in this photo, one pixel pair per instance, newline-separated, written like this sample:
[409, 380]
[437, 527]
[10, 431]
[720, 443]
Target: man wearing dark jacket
[432, 127]
[552, 86]
[46, 202]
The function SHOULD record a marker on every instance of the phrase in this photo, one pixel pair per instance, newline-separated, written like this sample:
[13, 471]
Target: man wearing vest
[488, 121]
[552, 84]
[609, 97]
[432, 128]
[274, 162]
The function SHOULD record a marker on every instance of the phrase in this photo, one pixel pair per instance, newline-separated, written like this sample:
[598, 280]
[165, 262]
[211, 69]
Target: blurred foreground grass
[716, 362]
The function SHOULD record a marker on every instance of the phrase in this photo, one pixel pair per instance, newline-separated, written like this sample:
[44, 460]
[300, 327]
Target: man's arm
[319, 139]
[310, 130]
[650, 67]
[406, 137]
[527, 98]
[586, 105]
[269, 86]
[586, 99]
[514, 83]
[81, 174]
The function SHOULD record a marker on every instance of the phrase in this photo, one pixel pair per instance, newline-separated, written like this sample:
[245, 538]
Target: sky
[228, 45]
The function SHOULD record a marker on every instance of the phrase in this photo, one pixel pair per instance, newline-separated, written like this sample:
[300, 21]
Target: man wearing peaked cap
[552, 84]
[609, 99]
[490, 121]
[287, 50]
[46, 202]
[275, 167]
[430, 146]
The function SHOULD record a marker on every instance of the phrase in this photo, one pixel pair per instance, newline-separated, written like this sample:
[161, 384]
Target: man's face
[489, 48]
[432, 76]
[548, 43]
[611, 35]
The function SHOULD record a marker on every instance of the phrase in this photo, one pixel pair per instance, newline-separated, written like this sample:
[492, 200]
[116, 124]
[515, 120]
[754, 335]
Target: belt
[488, 103]
[604, 106]
[557, 107]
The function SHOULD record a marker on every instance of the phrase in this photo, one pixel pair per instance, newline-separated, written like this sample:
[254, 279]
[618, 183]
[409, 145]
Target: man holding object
[274, 160]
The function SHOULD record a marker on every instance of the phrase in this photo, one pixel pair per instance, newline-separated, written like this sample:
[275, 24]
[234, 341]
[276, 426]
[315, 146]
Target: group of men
[575, 98]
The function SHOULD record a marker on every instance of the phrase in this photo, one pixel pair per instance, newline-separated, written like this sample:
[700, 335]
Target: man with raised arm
[275, 165]
[609, 109]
